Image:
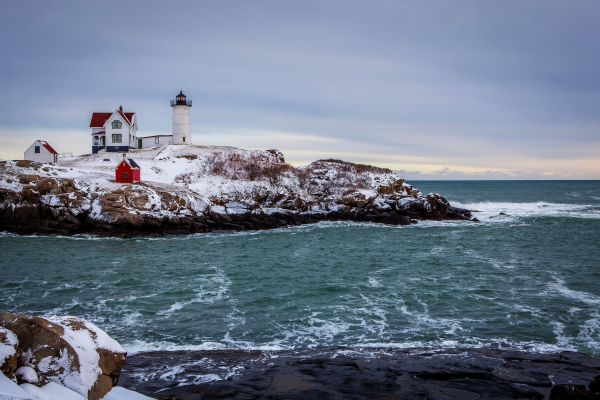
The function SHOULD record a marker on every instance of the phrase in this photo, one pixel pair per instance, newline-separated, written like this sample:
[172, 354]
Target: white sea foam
[558, 328]
[564, 344]
[490, 260]
[589, 331]
[491, 211]
[140, 346]
[207, 288]
[584, 297]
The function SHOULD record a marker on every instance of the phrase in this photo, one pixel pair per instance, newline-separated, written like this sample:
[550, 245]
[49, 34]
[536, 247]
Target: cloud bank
[437, 89]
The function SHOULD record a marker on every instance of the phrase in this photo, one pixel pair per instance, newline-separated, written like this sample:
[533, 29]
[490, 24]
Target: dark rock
[572, 392]
[364, 374]
[595, 385]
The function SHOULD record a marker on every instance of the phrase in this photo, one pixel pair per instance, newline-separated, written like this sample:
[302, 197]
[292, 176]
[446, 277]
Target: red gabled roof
[128, 116]
[129, 162]
[48, 147]
[99, 118]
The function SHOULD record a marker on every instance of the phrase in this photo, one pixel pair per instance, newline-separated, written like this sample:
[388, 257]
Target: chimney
[121, 108]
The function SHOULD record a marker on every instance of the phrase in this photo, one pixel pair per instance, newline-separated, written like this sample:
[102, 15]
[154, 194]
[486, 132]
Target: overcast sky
[437, 89]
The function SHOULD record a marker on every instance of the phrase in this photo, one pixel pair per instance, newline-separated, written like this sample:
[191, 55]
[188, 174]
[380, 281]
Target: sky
[433, 89]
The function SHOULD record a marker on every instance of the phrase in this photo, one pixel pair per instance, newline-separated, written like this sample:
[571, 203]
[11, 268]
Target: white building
[114, 132]
[41, 151]
[182, 128]
[154, 141]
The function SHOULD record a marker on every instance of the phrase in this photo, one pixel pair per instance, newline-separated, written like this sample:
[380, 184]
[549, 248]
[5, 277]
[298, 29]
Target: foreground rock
[364, 374]
[190, 189]
[62, 350]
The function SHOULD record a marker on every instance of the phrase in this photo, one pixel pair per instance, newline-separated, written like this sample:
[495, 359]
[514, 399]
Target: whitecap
[502, 212]
[584, 297]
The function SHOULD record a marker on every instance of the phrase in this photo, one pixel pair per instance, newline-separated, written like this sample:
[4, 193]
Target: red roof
[99, 118]
[128, 116]
[48, 147]
[130, 162]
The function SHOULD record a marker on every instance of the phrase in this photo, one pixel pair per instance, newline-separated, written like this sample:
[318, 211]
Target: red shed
[127, 171]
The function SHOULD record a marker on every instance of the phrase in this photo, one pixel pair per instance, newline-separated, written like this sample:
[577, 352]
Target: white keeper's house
[114, 131]
[117, 131]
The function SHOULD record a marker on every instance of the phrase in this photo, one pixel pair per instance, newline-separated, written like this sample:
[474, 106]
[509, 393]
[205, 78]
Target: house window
[37, 149]
[117, 138]
[184, 139]
[116, 124]
[156, 140]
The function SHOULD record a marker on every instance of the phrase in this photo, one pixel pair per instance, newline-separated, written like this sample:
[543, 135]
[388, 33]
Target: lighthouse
[182, 130]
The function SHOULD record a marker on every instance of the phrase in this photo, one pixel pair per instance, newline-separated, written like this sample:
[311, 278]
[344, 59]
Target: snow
[85, 342]
[119, 393]
[27, 374]
[51, 391]
[8, 345]
[10, 390]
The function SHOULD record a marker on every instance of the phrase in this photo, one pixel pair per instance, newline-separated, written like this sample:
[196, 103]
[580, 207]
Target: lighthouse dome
[181, 100]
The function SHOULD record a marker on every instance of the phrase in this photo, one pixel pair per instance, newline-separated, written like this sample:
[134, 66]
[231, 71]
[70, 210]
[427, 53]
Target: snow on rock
[8, 350]
[51, 391]
[68, 351]
[26, 374]
[8, 344]
[119, 393]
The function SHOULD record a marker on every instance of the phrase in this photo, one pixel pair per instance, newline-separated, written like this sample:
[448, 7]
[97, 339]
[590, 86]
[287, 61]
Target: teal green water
[528, 280]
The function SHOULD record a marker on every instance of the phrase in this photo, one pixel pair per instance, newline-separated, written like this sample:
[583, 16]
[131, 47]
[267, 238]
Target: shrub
[252, 167]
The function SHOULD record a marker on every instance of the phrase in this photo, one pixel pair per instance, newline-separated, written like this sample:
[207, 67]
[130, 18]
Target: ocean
[527, 277]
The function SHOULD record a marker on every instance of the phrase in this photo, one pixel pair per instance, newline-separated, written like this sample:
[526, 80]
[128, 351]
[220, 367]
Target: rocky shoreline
[460, 374]
[41, 218]
[55, 358]
[213, 190]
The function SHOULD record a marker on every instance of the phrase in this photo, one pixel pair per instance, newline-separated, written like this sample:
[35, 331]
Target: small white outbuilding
[41, 151]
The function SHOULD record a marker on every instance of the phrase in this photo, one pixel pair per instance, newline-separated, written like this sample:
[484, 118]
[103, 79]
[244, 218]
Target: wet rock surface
[363, 374]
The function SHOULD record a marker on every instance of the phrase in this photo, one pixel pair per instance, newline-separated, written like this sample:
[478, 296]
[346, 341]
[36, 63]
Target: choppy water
[528, 280]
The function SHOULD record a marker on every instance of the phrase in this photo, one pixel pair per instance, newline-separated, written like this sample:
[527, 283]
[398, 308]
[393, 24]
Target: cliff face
[189, 189]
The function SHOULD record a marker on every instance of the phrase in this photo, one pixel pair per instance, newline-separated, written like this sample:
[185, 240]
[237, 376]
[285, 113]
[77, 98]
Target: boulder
[28, 164]
[67, 350]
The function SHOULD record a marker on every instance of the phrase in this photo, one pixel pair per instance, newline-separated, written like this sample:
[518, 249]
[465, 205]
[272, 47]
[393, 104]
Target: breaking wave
[508, 211]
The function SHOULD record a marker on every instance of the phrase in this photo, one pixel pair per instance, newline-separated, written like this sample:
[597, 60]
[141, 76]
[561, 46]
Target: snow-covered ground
[10, 390]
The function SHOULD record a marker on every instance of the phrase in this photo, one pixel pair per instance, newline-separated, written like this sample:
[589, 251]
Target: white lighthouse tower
[182, 129]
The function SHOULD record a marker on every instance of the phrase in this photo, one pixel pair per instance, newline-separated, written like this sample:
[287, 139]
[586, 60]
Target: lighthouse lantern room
[182, 131]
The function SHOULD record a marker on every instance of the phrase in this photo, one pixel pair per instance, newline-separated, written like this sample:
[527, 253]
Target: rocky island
[191, 189]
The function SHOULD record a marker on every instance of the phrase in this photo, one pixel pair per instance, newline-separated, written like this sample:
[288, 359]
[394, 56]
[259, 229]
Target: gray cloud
[507, 86]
